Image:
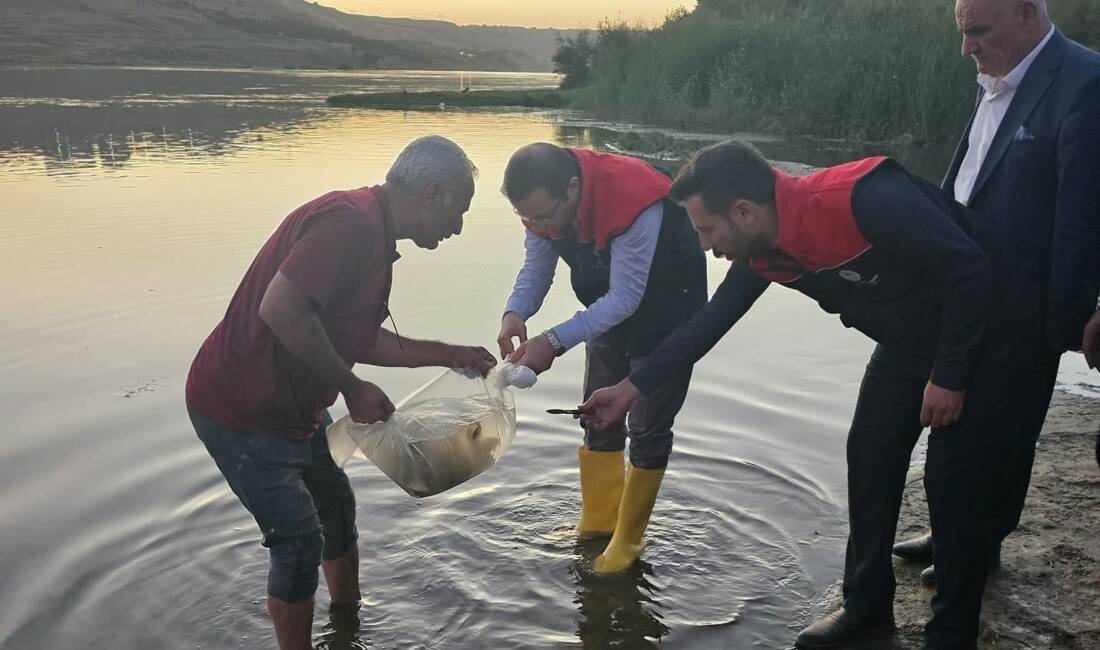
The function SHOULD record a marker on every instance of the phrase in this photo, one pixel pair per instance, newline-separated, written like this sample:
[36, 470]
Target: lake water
[132, 201]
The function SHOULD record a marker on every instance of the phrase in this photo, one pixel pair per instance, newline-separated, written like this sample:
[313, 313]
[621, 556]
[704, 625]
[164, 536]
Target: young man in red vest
[309, 308]
[887, 252]
[637, 267]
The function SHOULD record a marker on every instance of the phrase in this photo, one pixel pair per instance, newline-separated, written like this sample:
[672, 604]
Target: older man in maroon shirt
[310, 307]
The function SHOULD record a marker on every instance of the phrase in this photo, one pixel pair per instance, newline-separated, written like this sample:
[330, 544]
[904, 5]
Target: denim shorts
[292, 487]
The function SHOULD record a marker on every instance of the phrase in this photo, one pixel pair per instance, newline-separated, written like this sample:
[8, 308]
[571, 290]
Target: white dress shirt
[991, 110]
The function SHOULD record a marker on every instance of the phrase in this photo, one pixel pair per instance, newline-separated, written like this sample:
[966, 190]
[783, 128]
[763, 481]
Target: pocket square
[1023, 134]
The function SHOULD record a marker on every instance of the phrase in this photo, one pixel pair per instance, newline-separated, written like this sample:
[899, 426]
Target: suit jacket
[1038, 191]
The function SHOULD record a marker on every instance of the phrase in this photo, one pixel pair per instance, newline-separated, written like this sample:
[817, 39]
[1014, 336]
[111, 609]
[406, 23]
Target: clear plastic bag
[447, 432]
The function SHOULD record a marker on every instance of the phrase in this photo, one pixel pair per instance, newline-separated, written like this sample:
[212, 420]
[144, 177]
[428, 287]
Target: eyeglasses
[542, 219]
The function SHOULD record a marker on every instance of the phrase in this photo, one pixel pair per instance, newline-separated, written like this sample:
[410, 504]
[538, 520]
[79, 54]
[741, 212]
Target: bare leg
[342, 577]
[293, 623]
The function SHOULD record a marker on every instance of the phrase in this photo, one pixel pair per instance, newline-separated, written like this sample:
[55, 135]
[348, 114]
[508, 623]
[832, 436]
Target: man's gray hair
[1041, 5]
[432, 159]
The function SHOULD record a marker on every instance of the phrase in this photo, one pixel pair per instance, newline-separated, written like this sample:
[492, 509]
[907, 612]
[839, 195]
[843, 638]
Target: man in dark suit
[1029, 165]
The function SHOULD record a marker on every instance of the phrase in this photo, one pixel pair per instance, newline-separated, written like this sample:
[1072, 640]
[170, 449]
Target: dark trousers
[959, 481]
[1031, 398]
[650, 418]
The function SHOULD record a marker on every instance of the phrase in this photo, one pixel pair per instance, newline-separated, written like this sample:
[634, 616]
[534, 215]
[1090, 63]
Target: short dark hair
[723, 173]
[539, 165]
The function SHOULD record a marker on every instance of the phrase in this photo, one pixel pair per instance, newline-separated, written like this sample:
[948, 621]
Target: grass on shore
[864, 69]
[536, 98]
[869, 70]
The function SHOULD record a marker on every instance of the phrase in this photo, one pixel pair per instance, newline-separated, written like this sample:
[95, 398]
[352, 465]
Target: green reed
[855, 69]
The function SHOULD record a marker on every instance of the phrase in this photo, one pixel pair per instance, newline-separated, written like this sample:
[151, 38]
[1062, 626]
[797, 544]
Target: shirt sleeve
[898, 217]
[694, 339]
[631, 258]
[534, 279]
[326, 254]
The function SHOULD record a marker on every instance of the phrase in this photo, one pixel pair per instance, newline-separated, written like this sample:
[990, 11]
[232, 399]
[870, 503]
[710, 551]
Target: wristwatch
[555, 342]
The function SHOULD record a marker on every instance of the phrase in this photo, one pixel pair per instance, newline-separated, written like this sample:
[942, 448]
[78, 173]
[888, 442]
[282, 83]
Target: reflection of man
[883, 250]
[310, 306]
[1029, 164]
[636, 265]
[622, 613]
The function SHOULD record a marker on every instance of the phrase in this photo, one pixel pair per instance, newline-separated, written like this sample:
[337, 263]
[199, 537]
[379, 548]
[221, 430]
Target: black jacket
[917, 282]
[1038, 191]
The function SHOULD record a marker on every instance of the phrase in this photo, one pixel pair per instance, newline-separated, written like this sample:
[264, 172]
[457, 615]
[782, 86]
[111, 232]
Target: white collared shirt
[994, 104]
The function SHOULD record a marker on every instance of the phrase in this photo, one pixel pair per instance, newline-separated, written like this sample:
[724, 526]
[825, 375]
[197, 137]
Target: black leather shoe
[928, 576]
[841, 627]
[918, 548]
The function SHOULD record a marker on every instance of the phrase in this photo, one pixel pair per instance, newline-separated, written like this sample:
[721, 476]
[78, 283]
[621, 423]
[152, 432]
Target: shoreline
[428, 100]
[639, 139]
[228, 67]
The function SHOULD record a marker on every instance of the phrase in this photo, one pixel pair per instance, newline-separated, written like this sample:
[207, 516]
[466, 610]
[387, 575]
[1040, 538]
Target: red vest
[614, 191]
[816, 225]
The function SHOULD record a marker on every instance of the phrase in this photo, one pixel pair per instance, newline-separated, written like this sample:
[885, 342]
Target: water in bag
[443, 434]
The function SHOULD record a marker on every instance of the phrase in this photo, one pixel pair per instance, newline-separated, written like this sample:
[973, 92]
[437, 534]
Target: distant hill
[257, 33]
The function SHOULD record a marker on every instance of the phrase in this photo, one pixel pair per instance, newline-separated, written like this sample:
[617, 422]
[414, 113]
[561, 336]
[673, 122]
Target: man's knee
[651, 450]
[338, 524]
[611, 439]
[292, 575]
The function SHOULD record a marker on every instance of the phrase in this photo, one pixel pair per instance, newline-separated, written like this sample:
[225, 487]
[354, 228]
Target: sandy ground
[1047, 594]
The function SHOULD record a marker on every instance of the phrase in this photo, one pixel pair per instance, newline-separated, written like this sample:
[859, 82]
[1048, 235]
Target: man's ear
[432, 193]
[573, 188]
[743, 215]
[1028, 11]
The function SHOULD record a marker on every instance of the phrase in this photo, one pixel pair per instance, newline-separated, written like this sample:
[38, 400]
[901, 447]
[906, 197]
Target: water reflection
[619, 611]
[68, 120]
[343, 630]
[91, 85]
[129, 224]
[71, 120]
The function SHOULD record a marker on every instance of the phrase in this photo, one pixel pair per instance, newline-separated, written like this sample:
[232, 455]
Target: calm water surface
[132, 201]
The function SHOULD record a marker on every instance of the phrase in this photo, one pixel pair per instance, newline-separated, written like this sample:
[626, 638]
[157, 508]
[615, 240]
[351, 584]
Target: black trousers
[651, 418]
[1031, 392]
[960, 479]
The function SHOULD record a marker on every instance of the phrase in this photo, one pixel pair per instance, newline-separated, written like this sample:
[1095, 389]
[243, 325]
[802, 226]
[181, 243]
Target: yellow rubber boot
[627, 543]
[602, 477]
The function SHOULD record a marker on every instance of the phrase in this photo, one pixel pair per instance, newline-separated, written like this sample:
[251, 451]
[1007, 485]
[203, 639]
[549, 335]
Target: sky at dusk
[533, 13]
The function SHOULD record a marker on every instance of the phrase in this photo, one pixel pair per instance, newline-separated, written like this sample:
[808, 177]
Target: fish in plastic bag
[447, 432]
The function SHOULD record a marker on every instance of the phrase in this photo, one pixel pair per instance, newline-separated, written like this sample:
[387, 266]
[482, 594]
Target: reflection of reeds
[535, 98]
[465, 82]
[846, 68]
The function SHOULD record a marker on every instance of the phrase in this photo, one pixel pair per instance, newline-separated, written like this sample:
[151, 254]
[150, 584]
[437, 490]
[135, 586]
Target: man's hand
[475, 358]
[367, 403]
[537, 354]
[941, 407]
[1090, 341]
[511, 327]
[608, 406]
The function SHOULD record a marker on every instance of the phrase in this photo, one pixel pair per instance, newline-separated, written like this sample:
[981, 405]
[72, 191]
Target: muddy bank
[1047, 594]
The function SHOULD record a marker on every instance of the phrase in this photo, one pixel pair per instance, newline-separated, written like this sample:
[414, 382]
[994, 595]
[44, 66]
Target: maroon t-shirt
[339, 250]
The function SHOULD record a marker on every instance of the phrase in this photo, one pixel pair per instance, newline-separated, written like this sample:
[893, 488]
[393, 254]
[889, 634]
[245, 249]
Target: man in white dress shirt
[1029, 163]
